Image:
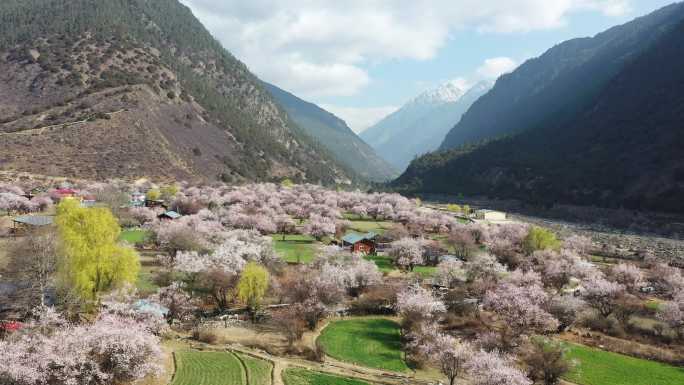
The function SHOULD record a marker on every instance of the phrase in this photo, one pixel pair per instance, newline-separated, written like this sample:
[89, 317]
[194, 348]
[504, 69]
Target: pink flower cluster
[112, 349]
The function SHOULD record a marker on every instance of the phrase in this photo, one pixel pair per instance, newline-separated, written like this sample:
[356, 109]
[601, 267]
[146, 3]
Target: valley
[195, 192]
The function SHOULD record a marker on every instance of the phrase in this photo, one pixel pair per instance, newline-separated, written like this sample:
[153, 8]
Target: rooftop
[171, 214]
[34, 220]
[354, 237]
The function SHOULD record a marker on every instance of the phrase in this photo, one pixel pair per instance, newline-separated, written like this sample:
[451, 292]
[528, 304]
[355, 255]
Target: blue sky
[362, 59]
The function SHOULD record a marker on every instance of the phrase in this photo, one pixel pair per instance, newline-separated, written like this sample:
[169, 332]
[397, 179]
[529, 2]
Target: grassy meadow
[371, 342]
[364, 226]
[135, 236]
[295, 248]
[598, 367]
[383, 262]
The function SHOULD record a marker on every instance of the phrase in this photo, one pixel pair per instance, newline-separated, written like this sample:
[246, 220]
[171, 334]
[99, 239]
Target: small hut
[152, 203]
[361, 243]
[26, 222]
[490, 215]
[169, 215]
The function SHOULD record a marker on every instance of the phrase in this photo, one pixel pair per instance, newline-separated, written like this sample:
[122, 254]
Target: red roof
[11, 326]
[65, 191]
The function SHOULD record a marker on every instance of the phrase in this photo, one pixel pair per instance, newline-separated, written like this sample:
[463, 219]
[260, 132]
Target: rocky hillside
[622, 148]
[421, 124]
[334, 134]
[133, 88]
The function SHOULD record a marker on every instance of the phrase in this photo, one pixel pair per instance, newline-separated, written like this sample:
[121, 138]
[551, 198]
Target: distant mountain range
[593, 121]
[421, 124]
[100, 89]
[333, 133]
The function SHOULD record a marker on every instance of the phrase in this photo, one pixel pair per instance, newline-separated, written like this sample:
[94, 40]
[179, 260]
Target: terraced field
[220, 368]
[258, 371]
[297, 376]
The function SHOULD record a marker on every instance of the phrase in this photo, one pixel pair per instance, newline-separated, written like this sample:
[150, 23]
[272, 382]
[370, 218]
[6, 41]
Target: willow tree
[253, 286]
[93, 261]
[539, 238]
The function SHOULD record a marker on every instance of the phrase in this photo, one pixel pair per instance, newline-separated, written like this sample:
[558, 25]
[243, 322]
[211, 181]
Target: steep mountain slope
[333, 133]
[555, 86]
[420, 125]
[131, 88]
[625, 149]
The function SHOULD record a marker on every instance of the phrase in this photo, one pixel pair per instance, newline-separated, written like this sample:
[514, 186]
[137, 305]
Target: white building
[490, 215]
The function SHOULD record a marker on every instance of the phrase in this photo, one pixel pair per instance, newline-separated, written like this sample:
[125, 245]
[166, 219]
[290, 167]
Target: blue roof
[34, 220]
[172, 214]
[354, 237]
[145, 306]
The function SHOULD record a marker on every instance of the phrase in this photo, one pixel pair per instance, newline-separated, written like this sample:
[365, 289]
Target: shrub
[540, 239]
[205, 335]
[546, 361]
[377, 300]
[599, 323]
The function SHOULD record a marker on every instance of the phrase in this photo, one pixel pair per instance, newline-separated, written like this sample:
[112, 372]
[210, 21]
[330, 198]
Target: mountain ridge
[82, 60]
[334, 134]
[553, 85]
[622, 149]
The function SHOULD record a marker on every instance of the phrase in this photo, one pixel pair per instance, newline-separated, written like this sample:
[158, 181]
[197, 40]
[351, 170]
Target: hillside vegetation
[136, 88]
[334, 134]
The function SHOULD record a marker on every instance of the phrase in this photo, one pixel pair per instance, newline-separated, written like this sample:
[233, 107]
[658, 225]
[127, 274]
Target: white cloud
[320, 48]
[313, 80]
[360, 119]
[494, 67]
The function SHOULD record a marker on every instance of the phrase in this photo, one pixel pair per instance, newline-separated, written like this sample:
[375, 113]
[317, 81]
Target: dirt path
[41, 130]
[238, 341]
[342, 369]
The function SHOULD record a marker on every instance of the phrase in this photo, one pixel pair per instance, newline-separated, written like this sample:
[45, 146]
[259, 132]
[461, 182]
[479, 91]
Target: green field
[295, 248]
[258, 371]
[425, 271]
[371, 342]
[297, 376]
[598, 367]
[383, 262]
[208, 368]
[653, 304]
[145, 282]
[386, 265]
[377, 227]
[135, 236]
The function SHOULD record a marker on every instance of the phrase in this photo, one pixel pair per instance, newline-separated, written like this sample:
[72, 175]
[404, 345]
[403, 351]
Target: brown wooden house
[361, 243]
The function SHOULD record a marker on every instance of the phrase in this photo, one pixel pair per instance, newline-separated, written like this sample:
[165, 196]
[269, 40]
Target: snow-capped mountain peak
[448, 92]
[421, 124]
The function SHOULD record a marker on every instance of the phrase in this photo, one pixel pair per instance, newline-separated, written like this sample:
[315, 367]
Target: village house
[62, 193]
[25, 222]
[154, 203]
[169, 215]
[137, 199]
[361, 243]
[490, 215]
